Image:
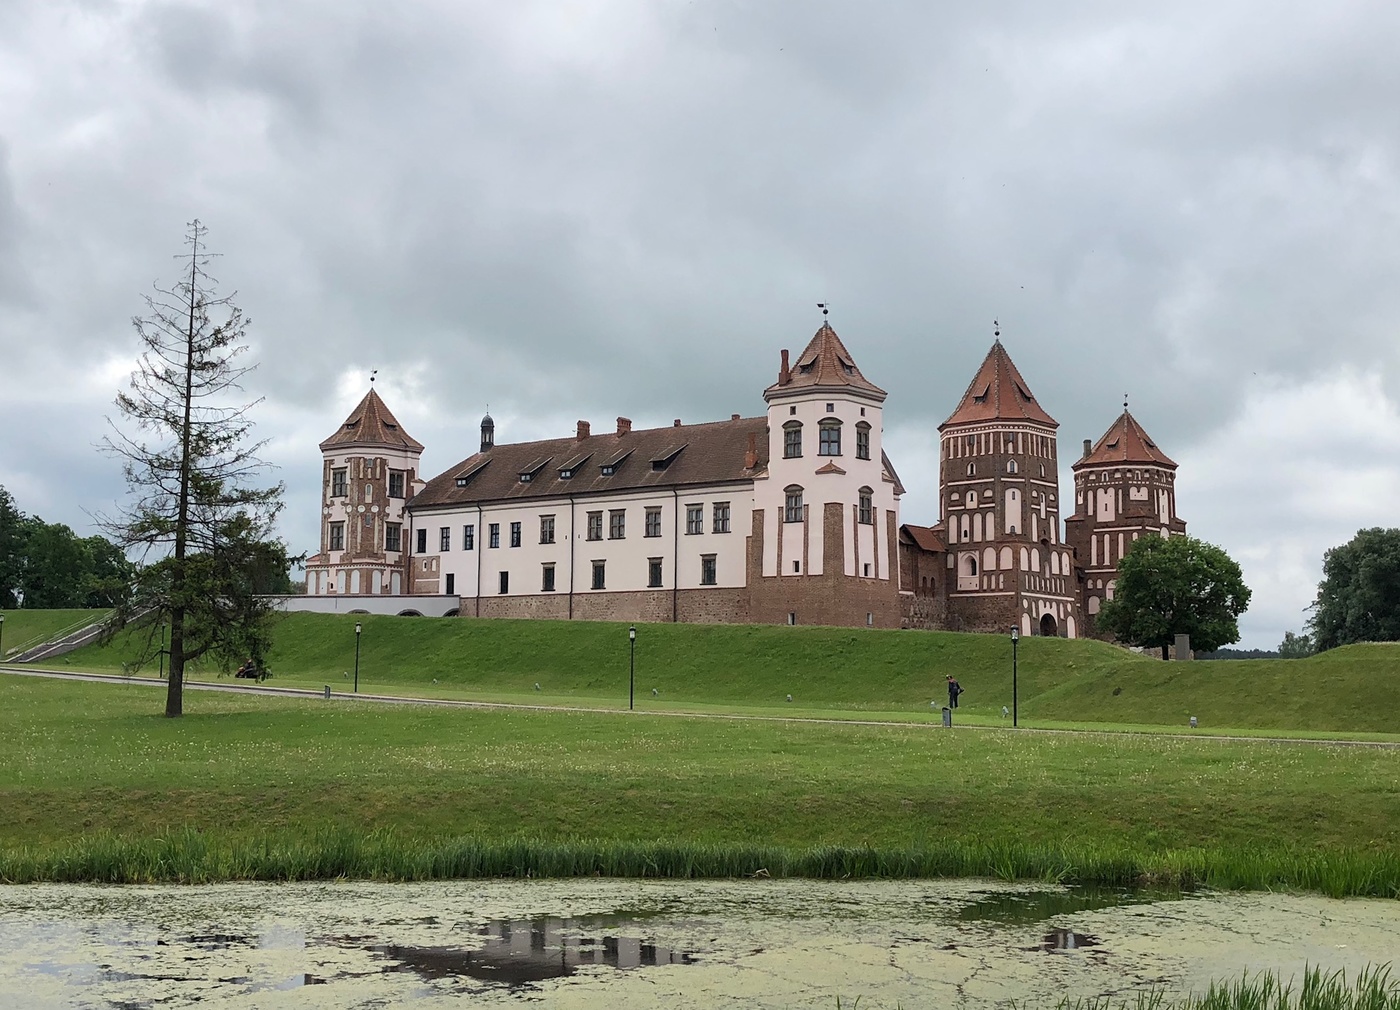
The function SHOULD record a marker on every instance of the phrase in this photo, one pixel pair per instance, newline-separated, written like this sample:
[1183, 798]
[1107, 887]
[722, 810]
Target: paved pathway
[390, 699]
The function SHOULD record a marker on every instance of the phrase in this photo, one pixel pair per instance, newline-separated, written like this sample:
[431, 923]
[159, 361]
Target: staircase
[66, 641]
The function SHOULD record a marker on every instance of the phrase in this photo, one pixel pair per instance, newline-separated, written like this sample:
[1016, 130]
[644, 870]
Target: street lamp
[2, 638]
[1015, 637]
[631, 665]
[357, 657]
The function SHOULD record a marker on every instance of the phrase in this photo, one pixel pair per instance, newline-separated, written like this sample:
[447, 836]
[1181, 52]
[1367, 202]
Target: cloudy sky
[584, 209]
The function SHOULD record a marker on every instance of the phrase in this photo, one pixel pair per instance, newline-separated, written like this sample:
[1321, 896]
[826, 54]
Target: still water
[625, 944]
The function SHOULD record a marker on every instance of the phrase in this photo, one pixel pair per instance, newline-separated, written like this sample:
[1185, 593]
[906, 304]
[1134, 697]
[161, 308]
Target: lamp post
[357, 657]
[162, 652]
[631, 666]
[2, 638]
[1015, 637]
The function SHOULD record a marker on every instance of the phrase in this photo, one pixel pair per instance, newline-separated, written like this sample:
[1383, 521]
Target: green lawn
[26, 628]
[1355, 690]
[84, 762]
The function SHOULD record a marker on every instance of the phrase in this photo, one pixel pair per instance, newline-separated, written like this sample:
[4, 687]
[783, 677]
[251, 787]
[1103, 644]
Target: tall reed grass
[1372, 989]
[189, 856]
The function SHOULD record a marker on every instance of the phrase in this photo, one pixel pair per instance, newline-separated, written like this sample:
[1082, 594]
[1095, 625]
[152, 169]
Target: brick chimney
[733, 417]
[584, 430]
[751, 457]
[676, 423]
[624, 425]
[784, 372]
[1088, 447]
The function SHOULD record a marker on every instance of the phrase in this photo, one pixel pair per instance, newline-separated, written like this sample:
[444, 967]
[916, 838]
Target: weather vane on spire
[1125, 403]
[825, 307]
[372, 374]
[996, 329]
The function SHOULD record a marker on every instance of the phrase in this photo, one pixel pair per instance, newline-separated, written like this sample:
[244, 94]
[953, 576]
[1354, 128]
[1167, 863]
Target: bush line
[187, 856]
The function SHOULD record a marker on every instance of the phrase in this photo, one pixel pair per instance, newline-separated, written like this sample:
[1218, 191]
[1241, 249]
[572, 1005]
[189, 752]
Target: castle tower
[369, 473]
[823, 549]
[1124, 488]
[998, 493]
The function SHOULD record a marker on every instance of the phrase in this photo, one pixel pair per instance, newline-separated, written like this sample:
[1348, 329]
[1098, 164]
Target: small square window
[831, 408]
[792, 411]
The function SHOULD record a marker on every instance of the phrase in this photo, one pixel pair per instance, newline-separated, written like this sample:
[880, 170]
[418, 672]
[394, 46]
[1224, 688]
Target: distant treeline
[1239, 654]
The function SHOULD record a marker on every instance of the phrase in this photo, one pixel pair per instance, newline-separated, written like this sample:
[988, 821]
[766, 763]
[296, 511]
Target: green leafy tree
[191, 465]
[56, 565]
[1358, 599]
[13, 530]
[1176, 586]
[1295, 646]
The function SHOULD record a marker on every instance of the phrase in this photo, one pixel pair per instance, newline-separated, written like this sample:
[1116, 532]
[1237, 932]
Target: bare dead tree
[203, 531]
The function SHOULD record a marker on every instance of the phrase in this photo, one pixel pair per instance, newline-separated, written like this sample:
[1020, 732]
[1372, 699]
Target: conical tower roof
[372, 423]
[998, 393]
[1125, 442]
[824, 363]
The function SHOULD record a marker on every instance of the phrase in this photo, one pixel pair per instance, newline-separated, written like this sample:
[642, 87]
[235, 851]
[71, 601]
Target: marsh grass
[1372, 989]
[188, 856]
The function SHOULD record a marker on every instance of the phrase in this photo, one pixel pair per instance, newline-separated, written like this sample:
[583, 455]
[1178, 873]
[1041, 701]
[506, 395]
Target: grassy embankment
[753, 668]
[26, 628]
[98, 786]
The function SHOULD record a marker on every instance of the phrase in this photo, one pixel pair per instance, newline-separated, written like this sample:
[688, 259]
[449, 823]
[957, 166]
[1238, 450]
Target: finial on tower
[1125, 403]
[996, 329]
[825, 307]
[372, 374]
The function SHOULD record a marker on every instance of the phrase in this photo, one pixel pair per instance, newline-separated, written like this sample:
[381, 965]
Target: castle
[790, 517]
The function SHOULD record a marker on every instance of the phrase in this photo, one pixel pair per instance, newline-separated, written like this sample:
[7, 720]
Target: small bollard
[947, 717]
[328, 692]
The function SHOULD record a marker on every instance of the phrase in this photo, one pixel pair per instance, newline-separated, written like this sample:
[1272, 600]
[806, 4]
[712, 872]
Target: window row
[794, 511]
[598, 577]
[828, 439]
[340, 483]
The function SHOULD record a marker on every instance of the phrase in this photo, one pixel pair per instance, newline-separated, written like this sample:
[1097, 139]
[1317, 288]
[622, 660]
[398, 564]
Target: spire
[998, 392]
[372, 423]
[1125, 442]
[825, 364]
[488, 432]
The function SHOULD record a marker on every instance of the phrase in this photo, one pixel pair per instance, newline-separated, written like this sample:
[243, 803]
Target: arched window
[866, 512]
[792, 511]
[971, 564]
[972, 469]
[1006, 558]
[1010, 466]
[829, 438]
[792, 440]
[971, 499]
[862, 440]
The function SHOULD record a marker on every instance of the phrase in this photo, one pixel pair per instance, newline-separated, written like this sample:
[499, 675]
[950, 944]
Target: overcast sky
[584, 209]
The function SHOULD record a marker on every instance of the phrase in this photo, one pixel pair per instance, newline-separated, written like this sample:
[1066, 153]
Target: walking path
[391, 699]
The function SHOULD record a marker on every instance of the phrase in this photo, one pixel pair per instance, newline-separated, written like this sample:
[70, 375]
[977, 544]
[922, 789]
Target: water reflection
[1026, 907]
[1068, 939]
[519, 952]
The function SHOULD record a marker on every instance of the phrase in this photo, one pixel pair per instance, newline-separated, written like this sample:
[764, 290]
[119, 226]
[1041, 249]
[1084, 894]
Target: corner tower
[999, 498]
[1124, 488]
[369, 472]
[826, 511]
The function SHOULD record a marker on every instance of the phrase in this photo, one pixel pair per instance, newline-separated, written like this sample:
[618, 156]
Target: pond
[625, 944]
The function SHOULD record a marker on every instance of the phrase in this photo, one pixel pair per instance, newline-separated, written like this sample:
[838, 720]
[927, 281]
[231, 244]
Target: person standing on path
[954, 689]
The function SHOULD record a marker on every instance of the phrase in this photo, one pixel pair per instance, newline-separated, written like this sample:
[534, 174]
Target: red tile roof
[1125, 442]
[372, 423]
[824, 363]
[662, 458]
[927, 538]
[998, 393]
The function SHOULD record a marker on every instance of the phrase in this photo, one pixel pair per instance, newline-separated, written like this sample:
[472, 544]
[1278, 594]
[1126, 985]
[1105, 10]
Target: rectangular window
[445, 539]
[867, 569]
[469, 537]
[505, 583]
[337, 541]
[617, 524]
[862, 441]
[653, 573]
[694, 519]
[546, 529]
[595, 526]
[393, 537]
[451, 583]
[721, 517]
[396, 481]
[867, 509]
[707, 569]
[493, 533]
[423, 541]
[515, 534]
[547, 579]
[829, 443]
[653, 522]
[792, 440]
[792, 508]
[599, 574]
[339, 487]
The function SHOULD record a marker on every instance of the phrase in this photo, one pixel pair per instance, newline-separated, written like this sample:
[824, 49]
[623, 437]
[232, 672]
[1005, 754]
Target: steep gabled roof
[686, 455]
[998, 393]
[372, 423]
[1125, 442]
[926, 538]
[824, 363]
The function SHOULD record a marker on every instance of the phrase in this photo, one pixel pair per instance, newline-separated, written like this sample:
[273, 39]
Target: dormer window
[566, 474]
[982, 396]
[461, 482]
[525, 478]
[608, 469]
